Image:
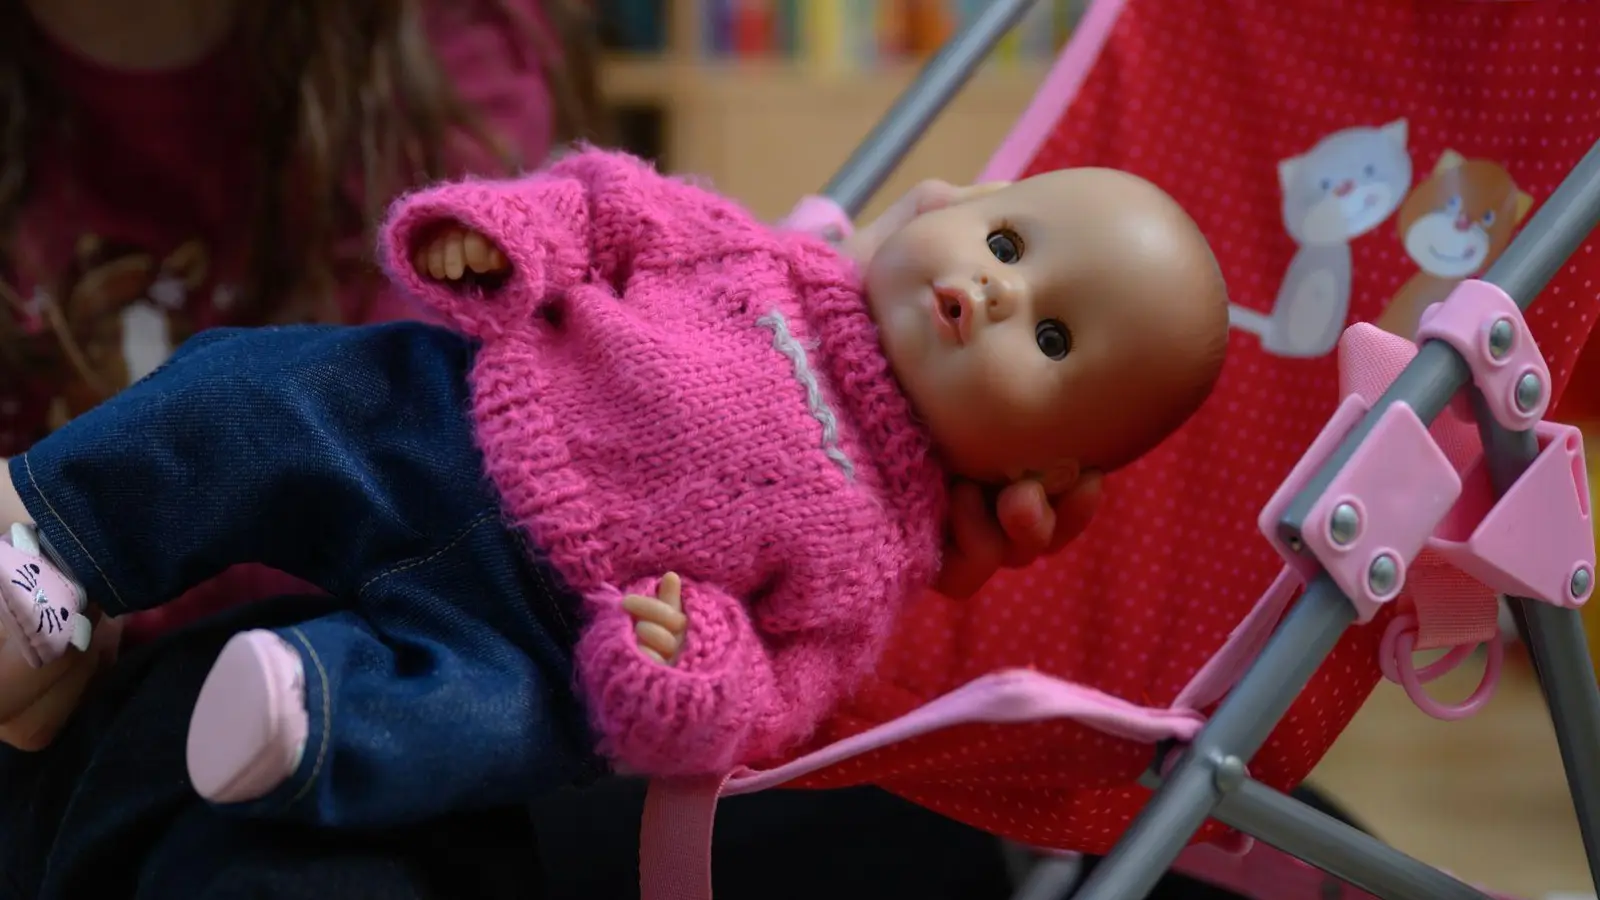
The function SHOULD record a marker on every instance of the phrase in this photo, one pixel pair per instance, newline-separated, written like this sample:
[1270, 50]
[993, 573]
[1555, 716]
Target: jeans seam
[327, 719]
[51, 509]
[417, 561]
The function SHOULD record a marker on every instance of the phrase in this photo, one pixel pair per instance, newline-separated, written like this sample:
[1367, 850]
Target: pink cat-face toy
[41, 610]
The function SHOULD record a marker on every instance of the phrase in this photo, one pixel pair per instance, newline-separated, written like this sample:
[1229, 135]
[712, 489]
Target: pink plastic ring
[1388, 653]
[1395, 661]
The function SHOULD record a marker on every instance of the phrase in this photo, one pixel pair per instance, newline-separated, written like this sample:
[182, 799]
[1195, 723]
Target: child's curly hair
[343, 87]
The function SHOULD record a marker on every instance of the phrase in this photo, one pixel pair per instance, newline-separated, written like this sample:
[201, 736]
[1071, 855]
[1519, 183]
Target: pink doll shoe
[249, 727]
[41, 610]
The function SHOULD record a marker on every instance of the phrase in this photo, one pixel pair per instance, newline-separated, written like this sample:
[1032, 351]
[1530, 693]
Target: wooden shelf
[768, 132]
[661, 80]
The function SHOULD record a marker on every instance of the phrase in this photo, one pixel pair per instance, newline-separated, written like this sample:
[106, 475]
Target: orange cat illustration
[1453, 226]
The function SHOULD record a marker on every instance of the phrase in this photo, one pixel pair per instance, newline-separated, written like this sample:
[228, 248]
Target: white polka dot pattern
[1205, 99]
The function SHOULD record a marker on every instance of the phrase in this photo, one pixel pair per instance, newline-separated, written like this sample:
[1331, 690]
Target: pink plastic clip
[1487, 329]
[819, 216]
[1396, 662]
[1380, 509]
[1537, 541]
[1350, 411]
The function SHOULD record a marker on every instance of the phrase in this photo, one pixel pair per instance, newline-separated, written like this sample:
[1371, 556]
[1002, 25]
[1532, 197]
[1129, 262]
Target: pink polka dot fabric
[1206, 99]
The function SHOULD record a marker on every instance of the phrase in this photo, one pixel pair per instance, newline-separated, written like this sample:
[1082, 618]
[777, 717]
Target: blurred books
[863, 33]
[830, 33]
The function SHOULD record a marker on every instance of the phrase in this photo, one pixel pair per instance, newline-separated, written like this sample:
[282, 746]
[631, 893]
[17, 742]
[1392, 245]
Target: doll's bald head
[1067, 322]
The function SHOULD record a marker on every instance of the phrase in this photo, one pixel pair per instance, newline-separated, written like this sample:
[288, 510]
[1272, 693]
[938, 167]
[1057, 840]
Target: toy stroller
[1400, 487]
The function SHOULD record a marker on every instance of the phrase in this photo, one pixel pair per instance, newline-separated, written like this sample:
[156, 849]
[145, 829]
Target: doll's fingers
[649, 609]
[653, 655]
[656, 638]
[436, 258]
[482, 257]
[671, 591]
[455, 263]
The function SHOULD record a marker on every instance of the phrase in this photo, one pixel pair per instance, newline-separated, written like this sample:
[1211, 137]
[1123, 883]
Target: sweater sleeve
[541, 223]
[730, 698]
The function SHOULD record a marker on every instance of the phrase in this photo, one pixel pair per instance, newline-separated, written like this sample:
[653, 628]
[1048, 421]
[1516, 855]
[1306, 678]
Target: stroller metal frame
[1208, 777]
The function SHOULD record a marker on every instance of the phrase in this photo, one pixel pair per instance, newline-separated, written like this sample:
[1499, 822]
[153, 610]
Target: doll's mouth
[952, 312]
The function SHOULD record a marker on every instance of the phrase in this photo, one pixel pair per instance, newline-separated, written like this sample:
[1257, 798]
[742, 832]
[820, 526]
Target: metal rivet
[1581, 580]
[1230, 773]
[1500, 334]
[1382, 573]
[1529, 389]
[1343, 524]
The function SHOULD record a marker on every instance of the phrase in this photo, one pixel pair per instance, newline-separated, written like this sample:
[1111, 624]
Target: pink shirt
[667, 384]
[135, 229]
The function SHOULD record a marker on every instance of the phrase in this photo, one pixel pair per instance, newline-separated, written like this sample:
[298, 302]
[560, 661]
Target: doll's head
[1067, 322]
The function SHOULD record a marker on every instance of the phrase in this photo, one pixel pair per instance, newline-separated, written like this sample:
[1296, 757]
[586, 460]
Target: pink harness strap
[675, 855]
[675, 838]
[680, 814]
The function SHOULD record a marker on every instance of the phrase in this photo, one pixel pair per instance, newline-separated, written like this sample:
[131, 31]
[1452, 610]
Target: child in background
[215, 162]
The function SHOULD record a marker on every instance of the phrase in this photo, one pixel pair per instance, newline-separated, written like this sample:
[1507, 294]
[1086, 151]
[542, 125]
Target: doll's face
[1055, 324]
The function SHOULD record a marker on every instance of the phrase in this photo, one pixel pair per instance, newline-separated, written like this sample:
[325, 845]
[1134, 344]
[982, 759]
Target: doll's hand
[659, 622]
[36, 703]
[453, 251]
[1024, 524]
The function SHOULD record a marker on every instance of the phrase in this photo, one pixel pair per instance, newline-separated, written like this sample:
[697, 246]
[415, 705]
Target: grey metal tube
[1336, 848]
[904, 124]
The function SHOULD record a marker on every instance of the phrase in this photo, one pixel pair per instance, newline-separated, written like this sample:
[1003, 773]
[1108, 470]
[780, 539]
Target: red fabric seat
[1451, 118]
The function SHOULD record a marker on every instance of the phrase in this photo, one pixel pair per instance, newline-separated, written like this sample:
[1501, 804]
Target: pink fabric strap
[675, 838]
[675, 855]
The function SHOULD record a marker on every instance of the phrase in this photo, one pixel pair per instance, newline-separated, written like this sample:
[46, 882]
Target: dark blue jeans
[344, 456]
[107, 812]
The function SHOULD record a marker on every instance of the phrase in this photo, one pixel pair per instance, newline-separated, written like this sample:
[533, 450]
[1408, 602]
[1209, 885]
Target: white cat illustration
[1340, 189]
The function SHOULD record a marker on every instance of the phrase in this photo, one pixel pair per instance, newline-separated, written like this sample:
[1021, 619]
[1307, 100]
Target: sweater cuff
[690, 718]
[539, 222]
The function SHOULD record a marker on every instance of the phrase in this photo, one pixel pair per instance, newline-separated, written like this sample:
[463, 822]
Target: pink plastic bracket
[1379, 510]
[1485, 326]
[1350, 411]
[1537, 541]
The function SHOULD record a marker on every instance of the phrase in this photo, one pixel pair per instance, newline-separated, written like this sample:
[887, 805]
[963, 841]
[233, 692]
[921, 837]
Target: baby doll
[683, 462]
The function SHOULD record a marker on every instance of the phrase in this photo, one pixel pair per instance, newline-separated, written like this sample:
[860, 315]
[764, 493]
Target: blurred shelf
[665, 80]
[768, 131]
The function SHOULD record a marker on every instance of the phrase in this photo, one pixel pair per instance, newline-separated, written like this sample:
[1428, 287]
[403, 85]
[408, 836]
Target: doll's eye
[1053, 339]
[1006, 246]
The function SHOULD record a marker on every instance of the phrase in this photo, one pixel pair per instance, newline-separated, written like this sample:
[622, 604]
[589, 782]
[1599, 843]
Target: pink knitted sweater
[667, 384]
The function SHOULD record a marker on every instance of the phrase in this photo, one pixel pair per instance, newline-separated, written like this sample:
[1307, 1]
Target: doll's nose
[999, 297]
